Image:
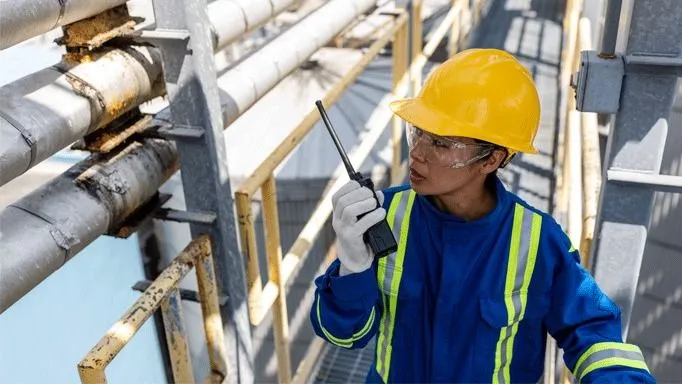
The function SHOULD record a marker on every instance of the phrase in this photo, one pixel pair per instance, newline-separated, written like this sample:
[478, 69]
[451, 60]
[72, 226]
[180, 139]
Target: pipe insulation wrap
[43, 230]
[247, 82]
[233, 18]
[56, 108]
[23, 19]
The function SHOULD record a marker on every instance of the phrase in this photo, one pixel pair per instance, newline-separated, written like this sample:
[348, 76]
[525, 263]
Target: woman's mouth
[415, 176]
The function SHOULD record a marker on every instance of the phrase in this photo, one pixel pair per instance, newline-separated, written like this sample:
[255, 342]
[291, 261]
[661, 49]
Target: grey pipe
[250, 80]
[43, 230]
[23, 19]
[46, 111]
[611, 20]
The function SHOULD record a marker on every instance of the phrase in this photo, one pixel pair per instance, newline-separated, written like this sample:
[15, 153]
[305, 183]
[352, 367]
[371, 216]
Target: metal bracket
[155, 36]
[598, 82]
[205, 218]
[185, 294]
[180, 132]
[135, 219]
[657, 182]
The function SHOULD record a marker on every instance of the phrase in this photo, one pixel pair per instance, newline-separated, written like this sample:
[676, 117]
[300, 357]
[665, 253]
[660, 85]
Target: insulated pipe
[246, 83]
[46, 111]
[43, 230]
[233, 18]
[23, 19]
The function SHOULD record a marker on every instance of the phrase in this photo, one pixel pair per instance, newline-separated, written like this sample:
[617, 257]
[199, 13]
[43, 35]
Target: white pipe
[243, 85]
[233, 18]
[46, 111]
[22, 19]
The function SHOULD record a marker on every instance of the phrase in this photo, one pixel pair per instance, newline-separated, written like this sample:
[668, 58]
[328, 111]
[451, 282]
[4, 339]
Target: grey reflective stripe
[388, 279]
[521, 280]
[606, 354]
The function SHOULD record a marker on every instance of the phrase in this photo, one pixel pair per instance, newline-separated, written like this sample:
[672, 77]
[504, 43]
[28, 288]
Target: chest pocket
[520, 339]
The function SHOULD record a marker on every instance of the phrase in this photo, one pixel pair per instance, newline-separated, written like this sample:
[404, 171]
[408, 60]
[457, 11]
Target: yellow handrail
[163, 293]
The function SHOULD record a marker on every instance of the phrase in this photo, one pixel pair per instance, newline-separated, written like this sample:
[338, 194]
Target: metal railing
[164, 294]
[270, 297]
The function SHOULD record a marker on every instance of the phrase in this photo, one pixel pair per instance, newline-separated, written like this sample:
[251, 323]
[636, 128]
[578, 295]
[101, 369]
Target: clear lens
[446, 152]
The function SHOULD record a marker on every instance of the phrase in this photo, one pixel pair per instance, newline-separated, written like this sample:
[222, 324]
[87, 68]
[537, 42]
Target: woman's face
[432, 159]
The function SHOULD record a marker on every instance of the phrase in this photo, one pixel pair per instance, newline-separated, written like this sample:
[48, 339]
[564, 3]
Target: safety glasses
[447, 152]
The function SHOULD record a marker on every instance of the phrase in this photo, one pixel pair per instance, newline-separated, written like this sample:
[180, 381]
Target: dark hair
[490, 179]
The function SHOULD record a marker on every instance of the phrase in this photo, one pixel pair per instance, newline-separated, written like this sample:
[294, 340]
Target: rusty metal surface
[210, 308]
[116, 134]
[95, 362]
[174, 326]
[95, 31]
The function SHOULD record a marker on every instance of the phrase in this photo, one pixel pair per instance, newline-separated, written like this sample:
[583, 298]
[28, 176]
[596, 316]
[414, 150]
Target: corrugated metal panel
[338, 365]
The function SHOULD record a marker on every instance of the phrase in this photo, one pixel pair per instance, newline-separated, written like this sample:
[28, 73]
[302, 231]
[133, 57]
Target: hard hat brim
[415, 112]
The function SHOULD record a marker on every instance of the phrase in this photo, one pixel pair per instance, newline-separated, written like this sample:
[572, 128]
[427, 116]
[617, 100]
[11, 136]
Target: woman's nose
[418, 150]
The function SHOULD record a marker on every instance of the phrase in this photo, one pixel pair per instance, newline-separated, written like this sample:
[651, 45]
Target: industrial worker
[480, 276]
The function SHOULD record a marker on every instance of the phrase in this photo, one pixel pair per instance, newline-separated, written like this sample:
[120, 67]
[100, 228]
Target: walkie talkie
[379, 237]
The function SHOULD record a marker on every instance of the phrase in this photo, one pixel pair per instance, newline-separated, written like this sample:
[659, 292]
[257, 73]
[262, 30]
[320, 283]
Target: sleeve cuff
[360, 286]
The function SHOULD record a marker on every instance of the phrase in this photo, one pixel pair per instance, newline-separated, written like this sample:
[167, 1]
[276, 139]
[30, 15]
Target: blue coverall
[459, 310]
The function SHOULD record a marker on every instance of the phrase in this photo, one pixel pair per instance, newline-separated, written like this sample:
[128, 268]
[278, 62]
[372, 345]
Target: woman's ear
[494, 161]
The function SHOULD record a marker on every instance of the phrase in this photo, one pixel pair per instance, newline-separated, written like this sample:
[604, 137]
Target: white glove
[348, 203]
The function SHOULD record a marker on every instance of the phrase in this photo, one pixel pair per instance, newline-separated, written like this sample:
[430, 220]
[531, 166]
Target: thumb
[380, 196]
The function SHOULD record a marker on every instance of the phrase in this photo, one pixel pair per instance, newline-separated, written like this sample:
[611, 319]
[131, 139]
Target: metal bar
[400, 60]
[417, 42]
[210, 309]
[591, 160]
[610, 31]
[247, 235]
[91, 368]
[655, 182]
[185, 294]
[58, 107]
[24, 19]
[86, 201]
[636, 144]
[247, 82]
[189, 74]
[260, 175]
[274, 252]
[174, 326]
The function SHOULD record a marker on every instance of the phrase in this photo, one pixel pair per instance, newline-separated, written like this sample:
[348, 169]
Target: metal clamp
[205, 218]
[25, 134]
[180, 132]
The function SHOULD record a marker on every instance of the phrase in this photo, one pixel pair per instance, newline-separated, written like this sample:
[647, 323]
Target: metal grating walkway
[531, 30]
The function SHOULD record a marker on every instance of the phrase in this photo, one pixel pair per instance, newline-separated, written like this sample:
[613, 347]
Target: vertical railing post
[400, 60]
[210, 309]
[247, 234]
[416, 45]
[274, 252]
[178, 348]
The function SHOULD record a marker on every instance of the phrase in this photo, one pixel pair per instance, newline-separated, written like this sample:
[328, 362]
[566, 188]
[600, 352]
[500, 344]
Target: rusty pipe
[23, 19]
[43, 230]
[46, 111]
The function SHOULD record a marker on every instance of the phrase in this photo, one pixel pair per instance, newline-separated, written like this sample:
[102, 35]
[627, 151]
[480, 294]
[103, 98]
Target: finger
[353, 197]
[351, 212]
[370, 219]
[346, 188]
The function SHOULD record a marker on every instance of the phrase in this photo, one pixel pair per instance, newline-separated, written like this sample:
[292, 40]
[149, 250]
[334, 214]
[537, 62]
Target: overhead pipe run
[45, 229]
[46, 111]
[231, 19]
[250, 80]
[24, 19]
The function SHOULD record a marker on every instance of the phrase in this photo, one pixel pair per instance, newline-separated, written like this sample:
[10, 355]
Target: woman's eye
[440, 143]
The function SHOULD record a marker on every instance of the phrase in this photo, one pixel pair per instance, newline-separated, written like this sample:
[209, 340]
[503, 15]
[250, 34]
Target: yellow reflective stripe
[509, 286]
[608, 354]
[615, 361]
[381, 275]
[346, 343]
[397, 276]
[523, 250]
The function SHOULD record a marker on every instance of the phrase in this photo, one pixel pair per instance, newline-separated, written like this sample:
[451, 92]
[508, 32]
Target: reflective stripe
[389, 276]
[602, 355]
[523, 250]
[345, 343]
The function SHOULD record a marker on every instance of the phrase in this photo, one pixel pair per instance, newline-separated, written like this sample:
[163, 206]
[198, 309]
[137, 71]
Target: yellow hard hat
[484, 94]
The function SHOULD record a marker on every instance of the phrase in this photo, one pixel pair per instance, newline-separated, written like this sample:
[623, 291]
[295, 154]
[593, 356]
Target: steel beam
[189, 73]
[636, 144]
